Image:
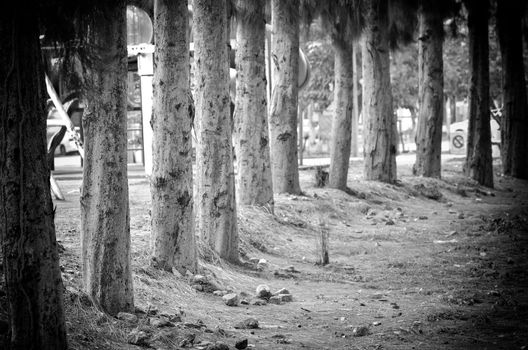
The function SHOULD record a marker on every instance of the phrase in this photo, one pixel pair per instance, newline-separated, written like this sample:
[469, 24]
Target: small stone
[198, 287]
[275, 300]
[171, 317]
[262, 264]
[263, 291]
[249, 323]
[127, 317]
[244, 302]
[241, 344]
[282, 291]
[137, 337]
[152, 310]
[138, 310]
[219, 293]
[160, 322]
[389, 222]
[259, 302]
[291, 268]
[254, 260]
[218, 346]
[423, 217]
[360, 331]
[230, 299]
[461, 216]
[286, 298]
[199, 279]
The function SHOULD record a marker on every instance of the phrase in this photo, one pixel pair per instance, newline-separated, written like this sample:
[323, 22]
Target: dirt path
[425, 264]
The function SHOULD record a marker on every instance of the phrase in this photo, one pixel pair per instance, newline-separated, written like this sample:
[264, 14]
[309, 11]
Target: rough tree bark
[514, 122]
[171, 183]
[342, 121]
[283, 105]
[355, 103]
[478, 160]
[430, 95]
[27, 231]
[380, 134]
[105, 222]
[251, 134]
[215, 180]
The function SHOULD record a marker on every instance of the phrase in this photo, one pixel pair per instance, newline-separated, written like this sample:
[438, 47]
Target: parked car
[459, 135]
[53, 125]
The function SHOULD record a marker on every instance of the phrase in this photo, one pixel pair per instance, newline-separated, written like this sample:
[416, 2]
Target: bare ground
[423, 264]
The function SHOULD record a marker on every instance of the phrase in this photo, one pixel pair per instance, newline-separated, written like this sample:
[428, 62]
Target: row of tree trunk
[28, 235]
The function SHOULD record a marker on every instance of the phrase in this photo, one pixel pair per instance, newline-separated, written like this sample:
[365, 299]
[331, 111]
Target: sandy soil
[423, 264]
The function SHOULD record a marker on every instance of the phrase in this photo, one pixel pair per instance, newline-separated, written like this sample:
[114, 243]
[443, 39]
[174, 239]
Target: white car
[459, 135]
[53, 125]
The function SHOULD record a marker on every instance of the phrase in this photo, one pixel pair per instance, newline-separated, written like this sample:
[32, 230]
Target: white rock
[230, 299]
[263, 291]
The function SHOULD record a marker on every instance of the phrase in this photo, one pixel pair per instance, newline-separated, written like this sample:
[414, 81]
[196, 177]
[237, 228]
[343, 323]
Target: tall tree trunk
[380, 134]
[283, 109]
[254, 181]
[355, 103]
[514, 126]
[342, 121]
[430, 95]
[105, 222]
[478, 160]
[215, 207]
[171, 183]
[27, 231]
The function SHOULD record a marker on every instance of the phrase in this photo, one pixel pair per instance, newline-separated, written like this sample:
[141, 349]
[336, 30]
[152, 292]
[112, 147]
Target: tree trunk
[430, 95]
[171, 183]
[342, 121]
[283, 109]
[380, 134]
[215, 188]
[478, 160]
[254, 182]
[514, 125]
[105, 222]
[355, 103]
[27, 233]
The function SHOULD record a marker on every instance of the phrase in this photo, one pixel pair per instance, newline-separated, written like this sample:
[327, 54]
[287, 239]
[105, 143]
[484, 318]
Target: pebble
[285, 298]
[282, 291]
[127, 317]
[275, 300]
[219, 293]
[262, 264]
[137, 337]
[160, 322]
[248, 323]
[360, 331]
[230, 299]
[171, 317]
[241, 344]
[218, 346]
[198, 287]
[199, 279]
[263, 291]
[259, 302]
